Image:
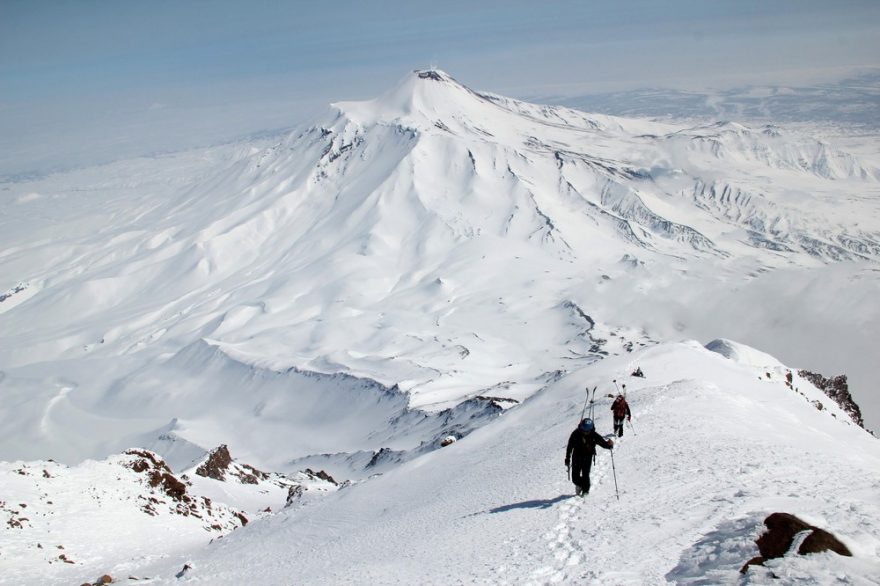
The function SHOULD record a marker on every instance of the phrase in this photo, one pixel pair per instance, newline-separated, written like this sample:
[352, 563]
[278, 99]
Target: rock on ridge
[837, 390]
[780, 538]
[220, 463]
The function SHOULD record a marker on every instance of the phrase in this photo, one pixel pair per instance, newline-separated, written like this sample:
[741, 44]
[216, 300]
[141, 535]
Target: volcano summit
[441, 261]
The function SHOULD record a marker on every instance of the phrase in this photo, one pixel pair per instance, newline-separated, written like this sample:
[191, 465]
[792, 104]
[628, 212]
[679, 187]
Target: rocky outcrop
[294, 493]
[782, 530]
[219, 464]
[321, 475]
[163, 483]
[159, 475]
[837, 389]
[258, 493]
[216, 465]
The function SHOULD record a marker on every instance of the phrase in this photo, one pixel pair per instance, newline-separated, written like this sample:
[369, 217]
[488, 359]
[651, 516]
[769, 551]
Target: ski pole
[615, 386]
[631, 426]
[614, 472]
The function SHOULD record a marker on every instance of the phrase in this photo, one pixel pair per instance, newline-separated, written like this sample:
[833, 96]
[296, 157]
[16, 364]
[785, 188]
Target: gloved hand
[629, 417]
[611, 441]
[567, 463]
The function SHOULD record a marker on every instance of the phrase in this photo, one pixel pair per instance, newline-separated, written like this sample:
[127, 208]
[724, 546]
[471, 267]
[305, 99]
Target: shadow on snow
[536, 504]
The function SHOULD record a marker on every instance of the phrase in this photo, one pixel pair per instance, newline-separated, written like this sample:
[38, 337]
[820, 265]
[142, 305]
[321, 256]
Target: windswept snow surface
[438, 262]
[714, 448]
[433, 245]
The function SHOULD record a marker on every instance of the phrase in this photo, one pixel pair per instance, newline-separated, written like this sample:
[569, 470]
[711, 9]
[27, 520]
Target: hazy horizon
[83, 83]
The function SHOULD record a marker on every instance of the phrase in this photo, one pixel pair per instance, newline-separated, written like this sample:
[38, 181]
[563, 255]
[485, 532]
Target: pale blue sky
[83, 80]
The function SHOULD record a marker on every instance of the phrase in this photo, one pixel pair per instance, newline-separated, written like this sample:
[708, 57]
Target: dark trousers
[580, 472]
[618, 426]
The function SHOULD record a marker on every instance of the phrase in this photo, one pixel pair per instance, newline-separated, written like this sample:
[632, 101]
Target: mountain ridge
[717, 442]
[371, 248]
[411, 295]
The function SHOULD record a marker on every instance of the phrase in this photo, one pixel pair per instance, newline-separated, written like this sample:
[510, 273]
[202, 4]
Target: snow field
[713, 454]
[301, 299]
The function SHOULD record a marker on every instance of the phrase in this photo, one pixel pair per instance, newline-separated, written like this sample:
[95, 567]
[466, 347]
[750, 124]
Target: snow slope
[717, 446]
[68, 524]
[438, 262]
[93, 515]
[436, 241]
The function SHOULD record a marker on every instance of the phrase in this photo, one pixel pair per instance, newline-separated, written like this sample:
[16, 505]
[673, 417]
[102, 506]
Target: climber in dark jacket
[580, 451]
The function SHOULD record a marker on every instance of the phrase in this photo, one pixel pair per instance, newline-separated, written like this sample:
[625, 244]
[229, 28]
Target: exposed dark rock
[186, 568]
[252, 476]
[159, 476]
[430, 74]
[638, 372]
[782, 528]
[321, 474]
[154, 459]
[18, 289]
[219, 464]
[448, 440]
[293, 494]
[820, 540]
[216, 465]
[383, 455]
[497, 401]
[837, 390]
[596, 344]
[169, 485]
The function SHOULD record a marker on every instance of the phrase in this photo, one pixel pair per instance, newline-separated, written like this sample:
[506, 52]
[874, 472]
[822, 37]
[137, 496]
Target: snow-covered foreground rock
[715, 447]
[98, 513]
[65, 524]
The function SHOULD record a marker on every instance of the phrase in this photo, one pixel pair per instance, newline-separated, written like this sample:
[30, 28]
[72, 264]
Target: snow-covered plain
[439, 261]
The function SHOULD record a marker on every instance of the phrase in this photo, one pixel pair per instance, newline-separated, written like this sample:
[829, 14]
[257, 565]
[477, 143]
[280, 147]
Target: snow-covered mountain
[442, 262]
